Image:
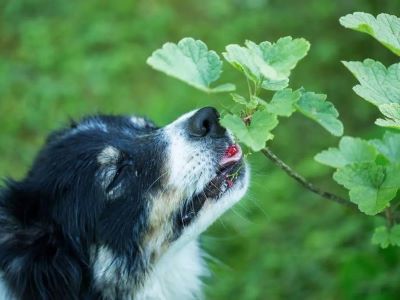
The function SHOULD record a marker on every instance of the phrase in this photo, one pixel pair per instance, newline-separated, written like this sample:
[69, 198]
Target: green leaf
[389, 146]
[283, 102]
[257, 101]
[395, 235]
[385, 28]
[284, 55]
[370, 186]
[323, 112]
[351, 150]
[257, 133]
[267, 64]
[392, 114]
[378, 85]
[274, 85]
[192, 62]
[250, 104]
[381, 237]
[243, 60]
[385, 237]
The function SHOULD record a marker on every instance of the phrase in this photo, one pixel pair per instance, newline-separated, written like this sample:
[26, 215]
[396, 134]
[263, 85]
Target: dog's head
[123, 184]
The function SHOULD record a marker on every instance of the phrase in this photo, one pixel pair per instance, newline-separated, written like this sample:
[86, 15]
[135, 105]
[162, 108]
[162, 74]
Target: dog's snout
[205, 122]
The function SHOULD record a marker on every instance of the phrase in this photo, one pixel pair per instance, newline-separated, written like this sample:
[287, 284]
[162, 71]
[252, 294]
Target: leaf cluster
[267, 67]
[368, 169]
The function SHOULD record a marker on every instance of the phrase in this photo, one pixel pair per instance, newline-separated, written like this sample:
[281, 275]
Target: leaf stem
[300, 179]
[389, 217]
[249, 87]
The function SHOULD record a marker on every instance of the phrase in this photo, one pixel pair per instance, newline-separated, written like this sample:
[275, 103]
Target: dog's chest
[176, 276]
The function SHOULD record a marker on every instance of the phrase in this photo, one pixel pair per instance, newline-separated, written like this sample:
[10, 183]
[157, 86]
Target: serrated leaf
[274, 85]
[284, 55]
[267, 64]
[250, 104]
[384, 236]
[243, 60]
[351, 150]
[192, 62]
[239, 99]
[315, 107]
[378, 85]
[395, 235]
[257, 101]
[389, 146]
[257, 133]
[392, 114]
[370, 186]
[381, 237]
[385, 28]
[283, 102]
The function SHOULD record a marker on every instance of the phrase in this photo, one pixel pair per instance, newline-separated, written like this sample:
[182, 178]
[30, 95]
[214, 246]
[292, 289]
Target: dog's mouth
[230, 170]
[227, 173]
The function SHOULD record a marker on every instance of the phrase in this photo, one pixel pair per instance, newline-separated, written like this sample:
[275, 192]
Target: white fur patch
[190, 166]
[4, 291]
[177, 275]
[139, 122]
[212, 210]
[109, 272]
[90, 124]
[109, 155]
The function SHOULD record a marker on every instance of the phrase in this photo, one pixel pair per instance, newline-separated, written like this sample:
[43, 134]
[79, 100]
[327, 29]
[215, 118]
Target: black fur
[50, 220]
[96, 198]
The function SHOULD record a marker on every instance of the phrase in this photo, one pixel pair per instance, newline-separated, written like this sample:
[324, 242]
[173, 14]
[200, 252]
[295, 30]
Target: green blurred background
[62, 59]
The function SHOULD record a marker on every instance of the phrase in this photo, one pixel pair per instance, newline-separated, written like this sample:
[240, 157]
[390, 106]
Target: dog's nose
[205, 122]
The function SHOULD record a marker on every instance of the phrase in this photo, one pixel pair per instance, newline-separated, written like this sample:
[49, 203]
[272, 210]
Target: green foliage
[378, 85]
[389, 146]
[370, 170]
[257, 133]
[351, 150]
[283, 102]
[392, 113]
[191, 62]
[384, 236]
[265, 66]
[323, 112]
[371, 178]
[385, 28]
[268, 65]
[371, 186]
[65, 59]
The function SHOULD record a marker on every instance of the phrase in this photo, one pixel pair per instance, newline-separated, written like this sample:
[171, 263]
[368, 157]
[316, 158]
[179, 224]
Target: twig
[389, 217]
[300, 179]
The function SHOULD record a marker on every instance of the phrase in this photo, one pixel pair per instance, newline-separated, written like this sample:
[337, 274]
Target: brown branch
[389, 217]
[300, 179]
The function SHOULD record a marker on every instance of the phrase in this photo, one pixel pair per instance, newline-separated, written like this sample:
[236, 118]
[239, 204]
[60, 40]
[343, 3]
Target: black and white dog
[113, 206]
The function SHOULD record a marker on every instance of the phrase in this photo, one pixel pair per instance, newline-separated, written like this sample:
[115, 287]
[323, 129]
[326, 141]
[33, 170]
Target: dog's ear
[37, 259]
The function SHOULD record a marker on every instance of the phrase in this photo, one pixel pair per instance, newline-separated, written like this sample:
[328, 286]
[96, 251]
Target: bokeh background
[62, 59]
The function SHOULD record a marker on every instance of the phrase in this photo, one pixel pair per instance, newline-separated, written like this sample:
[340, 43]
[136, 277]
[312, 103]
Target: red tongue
[231, 151]
[229, 182]
[232, 154]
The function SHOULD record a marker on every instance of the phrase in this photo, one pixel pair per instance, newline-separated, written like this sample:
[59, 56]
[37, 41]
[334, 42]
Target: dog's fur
[111, 209]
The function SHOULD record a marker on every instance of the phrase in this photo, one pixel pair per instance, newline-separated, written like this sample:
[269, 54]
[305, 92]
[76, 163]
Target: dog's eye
[118, 177]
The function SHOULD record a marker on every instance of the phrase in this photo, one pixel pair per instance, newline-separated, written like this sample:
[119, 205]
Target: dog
[113, 206]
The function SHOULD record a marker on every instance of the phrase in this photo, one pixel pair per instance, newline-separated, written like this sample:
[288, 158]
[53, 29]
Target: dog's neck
[176, 275]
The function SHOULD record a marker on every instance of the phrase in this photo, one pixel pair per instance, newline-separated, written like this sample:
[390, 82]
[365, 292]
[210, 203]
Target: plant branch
[389, 217]
[300, 179]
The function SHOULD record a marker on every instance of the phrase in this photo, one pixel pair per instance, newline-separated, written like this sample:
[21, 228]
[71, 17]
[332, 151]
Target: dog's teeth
[229, 182]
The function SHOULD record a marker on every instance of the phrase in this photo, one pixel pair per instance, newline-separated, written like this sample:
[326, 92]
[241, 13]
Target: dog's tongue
[232, 154]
